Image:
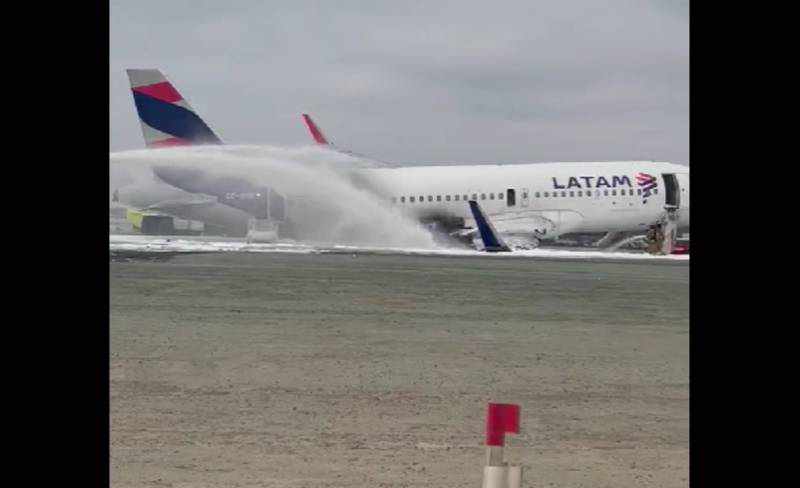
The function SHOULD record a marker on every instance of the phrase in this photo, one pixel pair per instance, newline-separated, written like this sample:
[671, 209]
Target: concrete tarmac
[283, 370]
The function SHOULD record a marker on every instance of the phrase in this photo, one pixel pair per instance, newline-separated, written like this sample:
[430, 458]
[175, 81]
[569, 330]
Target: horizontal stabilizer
[491, 239]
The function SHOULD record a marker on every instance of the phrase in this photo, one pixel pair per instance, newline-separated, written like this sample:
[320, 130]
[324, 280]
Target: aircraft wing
[491, 239]
[320, 138]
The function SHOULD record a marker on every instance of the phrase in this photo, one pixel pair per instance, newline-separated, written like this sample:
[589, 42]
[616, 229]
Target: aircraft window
[588, 193]
[402, 199]
[614, 192]
[438, 198]
[474, 196]
[411, 199]
[639, 191]
[605, 193]
[580, 193]
[572, 193]
[555, 194]
[491, 196]
[525, 194]
[456, 197]
[537, 194]
[655, 190]
[447, 197]
[499, 196]
[483, 196]
[546, 194]
[430, 198]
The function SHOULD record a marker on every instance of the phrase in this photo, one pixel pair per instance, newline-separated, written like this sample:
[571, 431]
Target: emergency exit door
[672, 190]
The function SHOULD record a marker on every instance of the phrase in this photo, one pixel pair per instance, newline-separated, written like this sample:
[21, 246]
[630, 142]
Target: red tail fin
[315, 132]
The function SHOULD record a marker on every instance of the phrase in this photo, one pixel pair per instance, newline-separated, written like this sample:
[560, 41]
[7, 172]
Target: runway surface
[183, 244]
[286, 369]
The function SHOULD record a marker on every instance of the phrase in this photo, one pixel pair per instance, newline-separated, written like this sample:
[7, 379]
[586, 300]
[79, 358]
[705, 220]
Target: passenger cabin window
[447, 197]
[500, 196]
[580, 193]
[537, 194]
[563, 193]
[588, 193]
[465, 198]
[421, 199]
[655, 190]
[555, 194]
[491, 196]
[614, 192]
[474, 196]
[511, 199]
[546, 194]
[438, 198]
[605, 193]
[483, 196]
[639, 191]
[402, 199]
[456, 197]
[411, 199]
[572, 193]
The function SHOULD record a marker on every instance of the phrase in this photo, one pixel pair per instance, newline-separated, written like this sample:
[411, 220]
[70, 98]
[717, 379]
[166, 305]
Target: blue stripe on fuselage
[173, 120]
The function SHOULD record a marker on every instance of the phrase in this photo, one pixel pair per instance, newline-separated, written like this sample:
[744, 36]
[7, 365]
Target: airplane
[527, 203]
[235, 204]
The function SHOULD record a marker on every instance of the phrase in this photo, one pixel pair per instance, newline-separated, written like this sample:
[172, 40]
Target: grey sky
[421, 81]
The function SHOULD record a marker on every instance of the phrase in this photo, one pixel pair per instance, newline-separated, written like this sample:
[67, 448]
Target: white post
[500, 419]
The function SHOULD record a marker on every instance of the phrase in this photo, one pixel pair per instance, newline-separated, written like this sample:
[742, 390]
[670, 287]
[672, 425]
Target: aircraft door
[511, 197]
[523, 202]
[672, 192]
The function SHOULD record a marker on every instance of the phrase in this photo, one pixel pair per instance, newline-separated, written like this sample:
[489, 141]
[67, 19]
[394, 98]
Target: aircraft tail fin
[316, 133]
[491, 239]
[167, 118]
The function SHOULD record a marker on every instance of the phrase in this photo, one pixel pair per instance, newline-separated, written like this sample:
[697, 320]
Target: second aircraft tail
[167, 118]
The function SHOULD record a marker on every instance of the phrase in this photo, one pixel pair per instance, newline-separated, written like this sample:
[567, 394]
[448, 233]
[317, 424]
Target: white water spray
[334, 208]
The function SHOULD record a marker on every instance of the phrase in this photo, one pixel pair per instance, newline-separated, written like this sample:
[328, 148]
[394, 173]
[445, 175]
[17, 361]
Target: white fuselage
[567, 197]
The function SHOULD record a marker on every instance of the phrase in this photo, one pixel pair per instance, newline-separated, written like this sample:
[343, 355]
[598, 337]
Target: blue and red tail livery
[167, 118]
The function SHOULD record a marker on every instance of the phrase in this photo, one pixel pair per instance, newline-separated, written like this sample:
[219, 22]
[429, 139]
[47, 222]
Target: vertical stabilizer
[167, 118]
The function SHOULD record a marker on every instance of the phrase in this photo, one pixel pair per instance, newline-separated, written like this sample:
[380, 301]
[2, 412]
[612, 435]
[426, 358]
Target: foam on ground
[139, 243]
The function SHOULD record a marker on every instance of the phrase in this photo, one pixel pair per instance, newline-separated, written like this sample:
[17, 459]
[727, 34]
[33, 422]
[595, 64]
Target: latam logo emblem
[592, 182]
[646, 183]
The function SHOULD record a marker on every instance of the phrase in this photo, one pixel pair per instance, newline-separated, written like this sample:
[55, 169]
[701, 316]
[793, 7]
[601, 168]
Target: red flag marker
[501, 419]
